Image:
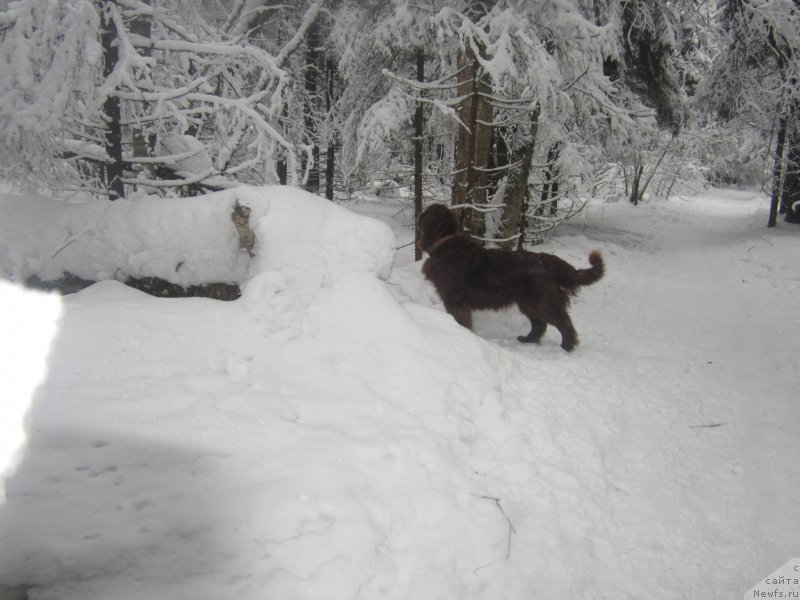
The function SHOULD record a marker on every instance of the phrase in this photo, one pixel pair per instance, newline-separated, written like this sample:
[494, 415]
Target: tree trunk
[310, 120]
[111, 107]
[143, 144]
[473, 143]
[790, 198]
[526, 197]
[461, 178]
[638, 169]
[419, 124]
[550, 187]
[281, 162]
[517, 190]
[330, 158]
[554, 193]
[499, 160]
[282, 169]
[777, 172]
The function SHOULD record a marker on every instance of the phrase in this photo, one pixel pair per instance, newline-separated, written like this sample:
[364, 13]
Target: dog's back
[567, 276]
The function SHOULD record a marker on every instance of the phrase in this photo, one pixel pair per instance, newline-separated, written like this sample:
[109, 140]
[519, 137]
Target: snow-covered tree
[199, 106]
[512, 109]
[511, 84]
[370, 39]
[656, 66]
[756, 79]
[50, 59]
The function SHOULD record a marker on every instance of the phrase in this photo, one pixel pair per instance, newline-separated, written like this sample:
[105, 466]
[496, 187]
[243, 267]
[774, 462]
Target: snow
[189, 240]
[334, 433]
[30, 320]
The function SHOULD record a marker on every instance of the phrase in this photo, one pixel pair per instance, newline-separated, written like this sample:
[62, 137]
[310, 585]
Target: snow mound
[313, 242]
[317, 438]
[191, 241]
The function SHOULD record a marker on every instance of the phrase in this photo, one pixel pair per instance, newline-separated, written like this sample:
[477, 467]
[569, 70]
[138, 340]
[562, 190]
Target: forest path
[676, 415]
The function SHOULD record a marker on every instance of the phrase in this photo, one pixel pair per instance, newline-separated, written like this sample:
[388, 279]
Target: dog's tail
[594, 273]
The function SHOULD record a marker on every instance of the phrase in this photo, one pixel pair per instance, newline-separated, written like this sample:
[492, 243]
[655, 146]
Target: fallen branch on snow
[511, 529]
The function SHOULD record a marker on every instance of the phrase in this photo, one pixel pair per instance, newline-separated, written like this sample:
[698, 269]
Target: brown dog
[469, 277]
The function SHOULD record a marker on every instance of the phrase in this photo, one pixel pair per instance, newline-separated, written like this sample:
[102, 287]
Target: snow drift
[191, 241]
[243, 452]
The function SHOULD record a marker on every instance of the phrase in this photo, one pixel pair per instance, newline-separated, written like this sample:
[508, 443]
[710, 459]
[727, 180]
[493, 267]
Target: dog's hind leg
[538, 325]
[569, 337]
[538, 328]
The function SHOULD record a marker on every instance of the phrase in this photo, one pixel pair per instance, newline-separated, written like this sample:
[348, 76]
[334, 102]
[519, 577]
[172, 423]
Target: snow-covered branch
[226, 50]
[297, 38]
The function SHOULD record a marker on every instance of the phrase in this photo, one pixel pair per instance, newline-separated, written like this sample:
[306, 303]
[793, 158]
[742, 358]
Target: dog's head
[436, 221]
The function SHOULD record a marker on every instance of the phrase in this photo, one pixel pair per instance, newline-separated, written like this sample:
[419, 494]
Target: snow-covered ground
[334, 434]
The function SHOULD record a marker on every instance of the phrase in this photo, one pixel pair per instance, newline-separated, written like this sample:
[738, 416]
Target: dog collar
[435, 245]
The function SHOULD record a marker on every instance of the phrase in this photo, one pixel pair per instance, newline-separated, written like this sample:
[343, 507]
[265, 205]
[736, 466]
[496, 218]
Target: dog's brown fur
[469, 277]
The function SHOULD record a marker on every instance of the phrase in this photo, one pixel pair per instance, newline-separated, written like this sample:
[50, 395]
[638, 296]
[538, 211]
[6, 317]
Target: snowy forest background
[518, 109]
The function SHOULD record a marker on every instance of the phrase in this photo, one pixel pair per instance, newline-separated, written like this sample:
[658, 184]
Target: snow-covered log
[192, 241]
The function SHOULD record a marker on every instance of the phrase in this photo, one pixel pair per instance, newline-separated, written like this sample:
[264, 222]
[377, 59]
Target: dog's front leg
[461, 313]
